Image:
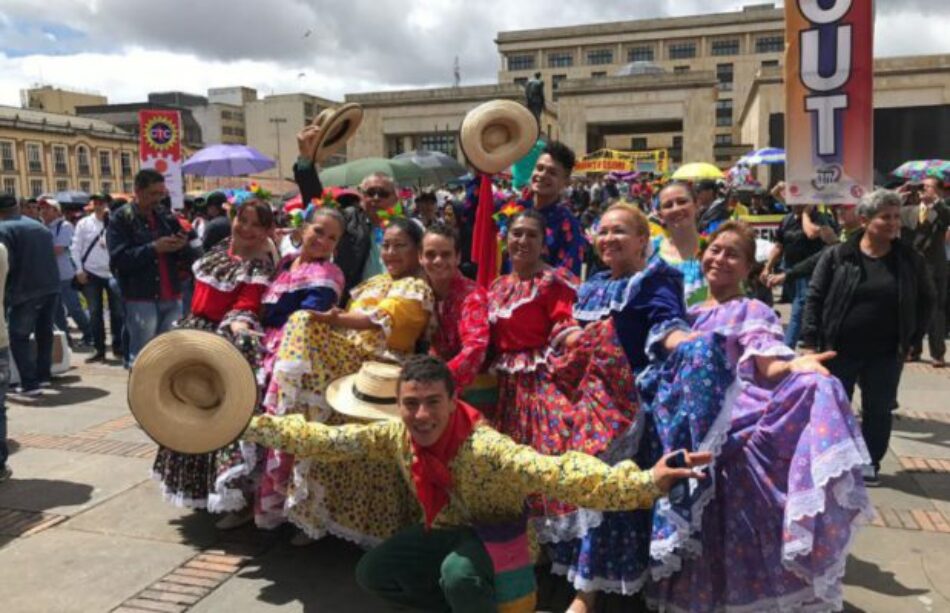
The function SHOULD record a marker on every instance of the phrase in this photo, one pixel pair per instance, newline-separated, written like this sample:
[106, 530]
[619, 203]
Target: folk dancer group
[577, 386]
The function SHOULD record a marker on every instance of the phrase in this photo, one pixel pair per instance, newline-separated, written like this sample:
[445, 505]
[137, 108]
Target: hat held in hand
[496, 134]
[192, 391]
[369, 394]
[336, 127]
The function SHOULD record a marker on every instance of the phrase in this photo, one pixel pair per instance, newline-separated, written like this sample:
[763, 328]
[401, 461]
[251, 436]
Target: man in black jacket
[357, 253]
[869, 300]
[147, 248]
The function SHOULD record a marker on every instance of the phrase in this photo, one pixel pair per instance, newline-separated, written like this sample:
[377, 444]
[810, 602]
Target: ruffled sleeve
[759, 335]
[474, 334]
[403, 313]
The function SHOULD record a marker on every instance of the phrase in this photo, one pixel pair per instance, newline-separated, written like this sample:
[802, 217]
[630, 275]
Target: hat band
[372, 399]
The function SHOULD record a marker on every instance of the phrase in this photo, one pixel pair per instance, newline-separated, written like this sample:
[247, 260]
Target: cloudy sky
[127, 48]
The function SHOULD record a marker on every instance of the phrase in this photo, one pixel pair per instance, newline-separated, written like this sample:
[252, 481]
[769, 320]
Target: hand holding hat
[496, 134]
[329, 131]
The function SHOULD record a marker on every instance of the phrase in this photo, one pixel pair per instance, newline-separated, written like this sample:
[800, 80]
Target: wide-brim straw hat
[496, 134]
[369, 394]
[336, 127]
[192, 391]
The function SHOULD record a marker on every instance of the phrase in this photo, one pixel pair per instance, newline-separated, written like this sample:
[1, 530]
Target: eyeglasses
[377, 193]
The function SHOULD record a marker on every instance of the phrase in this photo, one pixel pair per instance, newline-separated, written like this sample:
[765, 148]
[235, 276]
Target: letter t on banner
[829, 100]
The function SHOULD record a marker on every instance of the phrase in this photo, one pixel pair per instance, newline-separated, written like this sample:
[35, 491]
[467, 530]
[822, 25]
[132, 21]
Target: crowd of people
[668, 342]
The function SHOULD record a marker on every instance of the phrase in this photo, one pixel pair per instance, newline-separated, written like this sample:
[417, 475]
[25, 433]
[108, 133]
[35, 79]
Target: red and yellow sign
[829, 100]
[160, 148]
[604, 165]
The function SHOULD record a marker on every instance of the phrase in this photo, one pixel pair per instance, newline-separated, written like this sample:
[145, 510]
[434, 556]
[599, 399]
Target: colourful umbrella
[697, 171]
[768, 155]
[227, 161]
[917, 170]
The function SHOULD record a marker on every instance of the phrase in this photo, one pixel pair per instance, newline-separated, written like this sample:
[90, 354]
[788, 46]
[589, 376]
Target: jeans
[879, 376]
[431, 570]
[146, 320]
[799, 292]
[4, 384]
[93, 291]
[33, 317]
[69, 304]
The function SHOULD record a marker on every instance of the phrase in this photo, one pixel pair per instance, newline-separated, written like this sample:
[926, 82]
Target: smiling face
[425, 408]
[247, 230]
[320, 238]
[525, 243]
[677, 207]
[620, 243]
[379, 194]
[725, 264]
[400, 254]
[548, 179]
[440, 258]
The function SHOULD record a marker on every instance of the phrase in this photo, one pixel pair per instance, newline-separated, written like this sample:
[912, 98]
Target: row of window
[35, 187]
[235, 115]
[639, 143]
[680, 50]
[60, 159]
[229, 131]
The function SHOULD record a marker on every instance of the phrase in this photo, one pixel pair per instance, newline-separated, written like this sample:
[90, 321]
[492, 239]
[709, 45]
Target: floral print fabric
[462, 335]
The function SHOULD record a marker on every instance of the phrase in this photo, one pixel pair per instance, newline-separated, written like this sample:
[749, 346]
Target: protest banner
[160, 148]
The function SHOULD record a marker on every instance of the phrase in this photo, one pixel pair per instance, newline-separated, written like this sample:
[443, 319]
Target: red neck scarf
[430, 465]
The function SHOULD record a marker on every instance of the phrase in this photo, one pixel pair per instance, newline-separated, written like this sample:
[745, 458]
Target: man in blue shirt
[32, 292]
[564, 241]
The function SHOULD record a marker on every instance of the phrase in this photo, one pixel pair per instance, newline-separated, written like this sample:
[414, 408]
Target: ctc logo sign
[161, 133]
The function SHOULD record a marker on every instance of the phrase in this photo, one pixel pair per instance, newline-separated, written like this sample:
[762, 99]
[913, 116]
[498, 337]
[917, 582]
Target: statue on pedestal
[534, 96]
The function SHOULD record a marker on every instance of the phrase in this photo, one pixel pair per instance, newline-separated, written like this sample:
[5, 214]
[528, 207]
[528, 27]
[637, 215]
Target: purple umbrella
[227, 161]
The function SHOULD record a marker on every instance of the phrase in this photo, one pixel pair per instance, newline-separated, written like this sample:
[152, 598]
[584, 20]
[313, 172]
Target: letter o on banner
[815, 14]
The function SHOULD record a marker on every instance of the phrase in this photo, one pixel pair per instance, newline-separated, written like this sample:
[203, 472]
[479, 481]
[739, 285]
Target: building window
[770, 44]
[600, 56]
[238, 116]
[638, 143]
[439, 142]
[107, 187]
[556, 80]
[59, 160]
[226, 115]
[85, 186]
[682, 51]
[560, 59]
[724, 74]
[676, 151]
[34, 157]
[105, 163]
[239, 132]
[728, 46]
[521, 62]
[521, 81]
[680, 69]
[724, 140]
[768, 63]
[36, 187]
[62, 185]
[598, 75]
[126, 160]
[724, 112]
[7, 161]
[307, 111]
[640, 54]
[9, 186]
[82, 160]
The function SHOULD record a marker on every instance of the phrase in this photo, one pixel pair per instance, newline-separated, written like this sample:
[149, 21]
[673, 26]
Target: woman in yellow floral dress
[387, 315]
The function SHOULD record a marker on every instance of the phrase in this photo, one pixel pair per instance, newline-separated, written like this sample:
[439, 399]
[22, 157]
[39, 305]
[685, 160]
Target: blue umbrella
[227, 161]
[769, 155]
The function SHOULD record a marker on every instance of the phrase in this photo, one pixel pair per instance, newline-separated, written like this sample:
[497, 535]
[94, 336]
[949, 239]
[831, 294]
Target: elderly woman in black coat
[870, 301]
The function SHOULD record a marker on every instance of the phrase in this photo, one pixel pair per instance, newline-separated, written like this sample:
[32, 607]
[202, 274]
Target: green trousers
[434, 570]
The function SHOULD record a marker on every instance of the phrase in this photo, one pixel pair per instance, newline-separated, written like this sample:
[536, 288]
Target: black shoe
[96, 357]
[871, 476]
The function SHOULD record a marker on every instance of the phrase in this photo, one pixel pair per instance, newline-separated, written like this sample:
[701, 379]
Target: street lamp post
[277, 121]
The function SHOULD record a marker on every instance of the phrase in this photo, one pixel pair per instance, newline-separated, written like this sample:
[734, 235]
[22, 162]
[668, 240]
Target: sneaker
[36, 391]
[96, 357]
[870, 475]
[5, 473]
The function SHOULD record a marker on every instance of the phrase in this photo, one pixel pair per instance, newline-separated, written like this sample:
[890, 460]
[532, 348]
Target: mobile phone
[680, 489]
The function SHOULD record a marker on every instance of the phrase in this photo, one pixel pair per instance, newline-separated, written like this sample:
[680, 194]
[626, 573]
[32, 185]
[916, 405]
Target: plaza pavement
[83, 528]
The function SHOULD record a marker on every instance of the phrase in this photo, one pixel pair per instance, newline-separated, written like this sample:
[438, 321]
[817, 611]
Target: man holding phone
[147, 247]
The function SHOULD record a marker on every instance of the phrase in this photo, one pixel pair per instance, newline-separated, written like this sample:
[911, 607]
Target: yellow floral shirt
[401, 308]
[492, 474]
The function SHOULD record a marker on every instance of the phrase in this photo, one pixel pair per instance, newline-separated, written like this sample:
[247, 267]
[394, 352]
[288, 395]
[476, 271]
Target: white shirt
[89, 229]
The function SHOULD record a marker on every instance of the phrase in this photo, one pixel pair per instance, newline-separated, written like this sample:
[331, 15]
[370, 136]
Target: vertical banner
[160, 148]
[829, 100]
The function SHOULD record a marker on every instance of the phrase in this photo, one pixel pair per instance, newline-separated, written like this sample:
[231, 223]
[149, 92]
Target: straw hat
[192, 391]
[497, 134]
[336, 127]
[370, 394]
